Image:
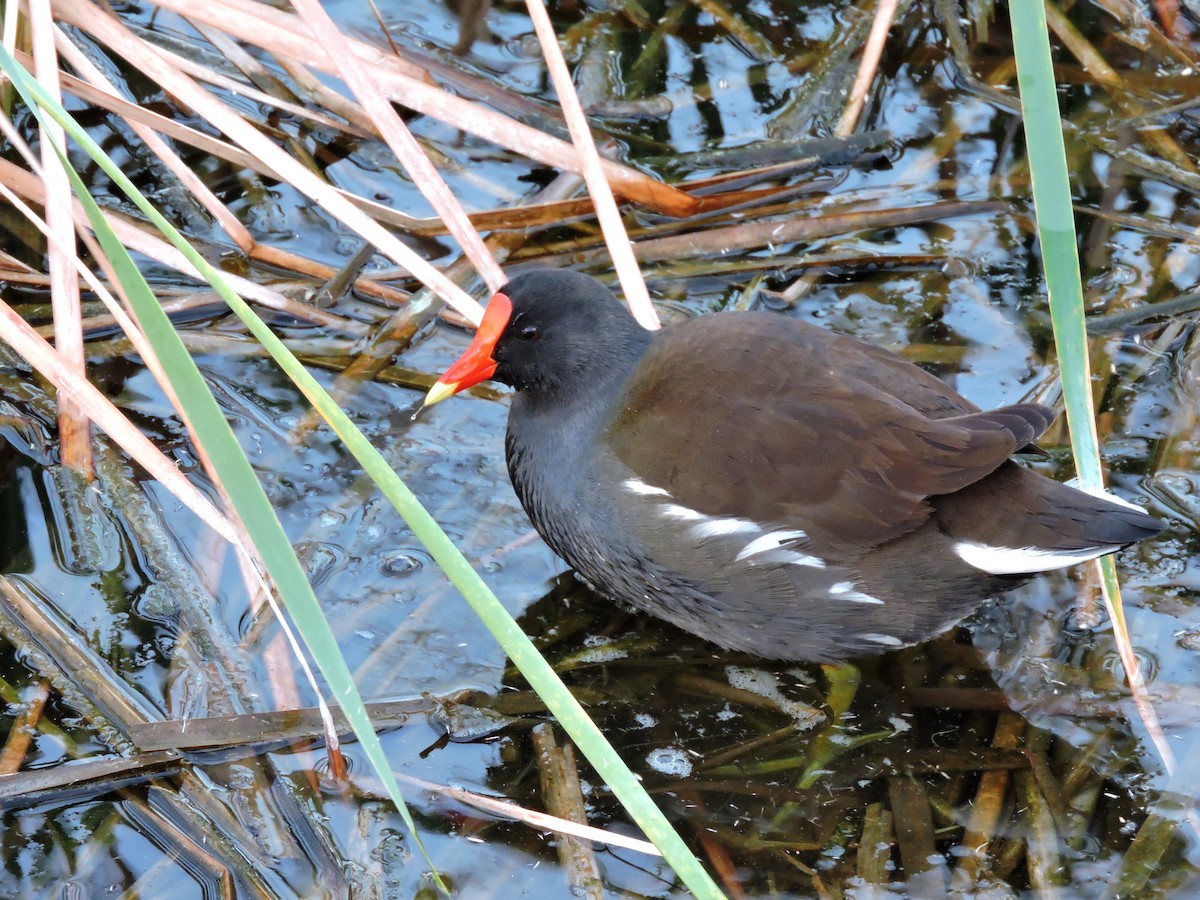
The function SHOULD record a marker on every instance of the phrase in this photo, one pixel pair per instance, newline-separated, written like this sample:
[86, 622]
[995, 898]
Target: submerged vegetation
[864, 166]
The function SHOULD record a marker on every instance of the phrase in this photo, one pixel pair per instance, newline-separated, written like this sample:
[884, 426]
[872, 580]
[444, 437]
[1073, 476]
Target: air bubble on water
[669, 761]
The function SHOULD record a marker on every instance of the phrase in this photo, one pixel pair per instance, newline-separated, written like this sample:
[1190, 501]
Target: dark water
[1025, 704]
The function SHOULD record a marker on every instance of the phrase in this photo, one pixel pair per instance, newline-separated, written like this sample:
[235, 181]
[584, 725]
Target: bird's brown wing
[782, 404]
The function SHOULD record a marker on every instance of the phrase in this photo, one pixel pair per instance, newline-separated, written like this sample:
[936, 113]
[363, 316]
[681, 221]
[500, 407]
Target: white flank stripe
[800, 559]
[845, 590]
[1022, 560]
[640, 487]
[1104, 495]
[718, 527]
[860, 597]
[767, 542]
[886, 639]
[674, 511]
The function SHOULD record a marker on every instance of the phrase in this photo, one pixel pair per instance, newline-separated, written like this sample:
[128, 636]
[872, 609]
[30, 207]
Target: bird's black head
[548, 332]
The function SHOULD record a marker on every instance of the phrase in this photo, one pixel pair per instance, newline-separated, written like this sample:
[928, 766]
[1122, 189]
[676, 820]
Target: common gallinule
[766, 484]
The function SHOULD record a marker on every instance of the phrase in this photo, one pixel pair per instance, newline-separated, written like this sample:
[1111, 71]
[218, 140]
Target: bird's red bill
[476, 364]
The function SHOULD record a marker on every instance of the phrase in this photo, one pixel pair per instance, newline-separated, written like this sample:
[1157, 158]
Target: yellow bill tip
[439, 392]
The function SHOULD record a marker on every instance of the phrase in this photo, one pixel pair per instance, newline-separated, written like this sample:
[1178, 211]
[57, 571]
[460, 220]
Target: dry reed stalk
[87, 670]
[1136, 25]
[194, 855]
[485, 220]
[867, 68]
[246, 89]
[237, 232]
[981, 827]
[509, 810]
[18, 334]
[754, 235]
[23, 728]
[915, 837]
[401, 141]
[282, 35]
[114, 34]
[563, 797]
[521, 217]
[1108, 78]
[123, 318]
[317, 93]
[74, 430]
[619, 248]
[748, 37]
[139, 240]
[875, 846]
[241, 540]
[99, 776]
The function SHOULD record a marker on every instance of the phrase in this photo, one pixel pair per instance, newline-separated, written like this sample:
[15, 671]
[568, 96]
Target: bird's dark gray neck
[560, 426]
[552, 436]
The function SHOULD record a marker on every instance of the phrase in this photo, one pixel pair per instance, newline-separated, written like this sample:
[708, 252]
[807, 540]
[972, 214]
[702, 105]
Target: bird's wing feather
[850, 463]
